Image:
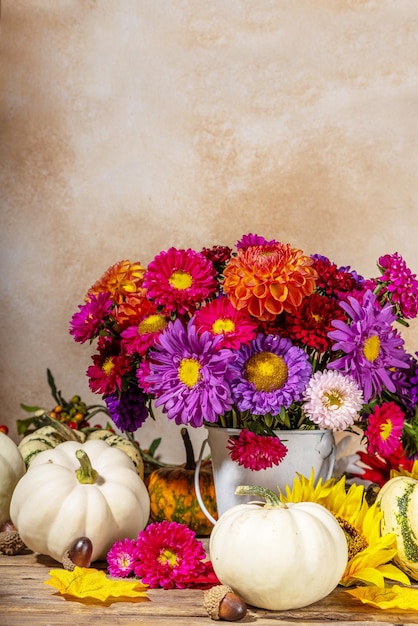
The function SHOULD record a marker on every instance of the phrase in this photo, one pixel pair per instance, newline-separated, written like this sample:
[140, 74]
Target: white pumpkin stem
[85, 473]
[271, 498]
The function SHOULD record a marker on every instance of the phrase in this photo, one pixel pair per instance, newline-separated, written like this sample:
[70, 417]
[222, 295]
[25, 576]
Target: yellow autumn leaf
[395, 597]
[87, 582]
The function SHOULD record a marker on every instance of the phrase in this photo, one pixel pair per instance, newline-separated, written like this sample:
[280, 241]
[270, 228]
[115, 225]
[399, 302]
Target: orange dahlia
[120, 280]
[269, 279]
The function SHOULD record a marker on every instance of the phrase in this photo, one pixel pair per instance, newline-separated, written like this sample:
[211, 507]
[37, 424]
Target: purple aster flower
[127, 409]
[269, 373]
[373, 349]
[87, 322]
[189, 375]
[249, 240]
[402, 284]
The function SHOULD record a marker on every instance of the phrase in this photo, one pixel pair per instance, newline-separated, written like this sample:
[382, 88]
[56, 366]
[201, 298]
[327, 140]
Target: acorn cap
[212, 599]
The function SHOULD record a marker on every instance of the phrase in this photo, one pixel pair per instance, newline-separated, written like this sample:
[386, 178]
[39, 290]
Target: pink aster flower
[169, 555]
[144, 335]
[219, 317]
[180, 280]
[122, 558]
[87, 322]
[402, 284]
[332, 400]
[256, 452]
[385, 429]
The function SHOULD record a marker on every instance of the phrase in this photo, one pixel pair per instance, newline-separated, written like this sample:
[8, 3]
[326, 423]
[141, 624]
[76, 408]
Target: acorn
[221, 603]
[79, 554]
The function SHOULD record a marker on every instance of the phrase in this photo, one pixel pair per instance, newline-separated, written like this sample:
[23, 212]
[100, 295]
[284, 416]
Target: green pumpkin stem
[85, 473]
[272, 499]
[190, 460]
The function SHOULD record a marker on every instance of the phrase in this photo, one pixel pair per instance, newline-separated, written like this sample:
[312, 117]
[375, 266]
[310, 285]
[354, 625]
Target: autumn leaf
[395, 597]
[87, 582]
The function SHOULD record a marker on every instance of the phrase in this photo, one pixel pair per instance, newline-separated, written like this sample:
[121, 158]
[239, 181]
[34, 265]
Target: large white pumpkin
[51, 508]
[278, 556]
[12, 468]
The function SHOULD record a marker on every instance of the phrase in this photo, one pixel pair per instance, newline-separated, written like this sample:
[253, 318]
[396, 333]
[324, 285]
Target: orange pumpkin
[173, 496]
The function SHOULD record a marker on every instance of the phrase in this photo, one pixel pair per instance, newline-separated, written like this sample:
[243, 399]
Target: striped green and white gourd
[117, 441]
[398, 501]
[54, 432]
[44, 438]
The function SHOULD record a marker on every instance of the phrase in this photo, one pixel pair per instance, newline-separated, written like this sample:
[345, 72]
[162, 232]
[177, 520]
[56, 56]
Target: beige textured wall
[130, 126]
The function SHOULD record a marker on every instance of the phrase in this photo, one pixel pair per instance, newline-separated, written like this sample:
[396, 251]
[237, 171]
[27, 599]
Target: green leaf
[56, 393]
[154, 445]
[30, 409]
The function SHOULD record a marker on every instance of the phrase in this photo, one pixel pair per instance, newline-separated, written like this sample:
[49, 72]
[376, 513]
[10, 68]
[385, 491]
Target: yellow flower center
[371, 348]
[223, 326]
[108, 365]
[316, 317]
[189, 372]
[386, 429]
[266, 370]
[332, 398]
[168, 556]
[180, 280]
[355, 540]
[152, 324]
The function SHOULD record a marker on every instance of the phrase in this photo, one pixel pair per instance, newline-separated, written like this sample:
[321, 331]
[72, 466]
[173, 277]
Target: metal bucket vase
[307, 450]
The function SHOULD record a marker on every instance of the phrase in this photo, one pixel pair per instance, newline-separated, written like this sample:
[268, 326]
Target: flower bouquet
[264, 338]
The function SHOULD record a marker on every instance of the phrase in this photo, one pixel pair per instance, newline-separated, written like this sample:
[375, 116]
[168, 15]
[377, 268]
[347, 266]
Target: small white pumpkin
[12, 468]
[278, 556]
[398, 501]
[79, 490]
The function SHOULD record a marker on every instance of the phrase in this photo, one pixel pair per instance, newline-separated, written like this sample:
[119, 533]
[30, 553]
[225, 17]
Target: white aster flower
[332, 400]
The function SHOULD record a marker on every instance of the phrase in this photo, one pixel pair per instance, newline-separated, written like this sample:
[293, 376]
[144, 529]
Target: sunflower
[369, 554]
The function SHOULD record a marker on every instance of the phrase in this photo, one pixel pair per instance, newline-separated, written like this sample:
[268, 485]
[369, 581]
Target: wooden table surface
[25, 600]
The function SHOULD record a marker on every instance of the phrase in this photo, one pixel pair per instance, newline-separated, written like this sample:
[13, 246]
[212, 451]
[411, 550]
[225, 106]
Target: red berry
[4, 429]
[72, 425]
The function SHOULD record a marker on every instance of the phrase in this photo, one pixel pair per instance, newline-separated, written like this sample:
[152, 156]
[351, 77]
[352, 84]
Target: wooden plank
[26, 600]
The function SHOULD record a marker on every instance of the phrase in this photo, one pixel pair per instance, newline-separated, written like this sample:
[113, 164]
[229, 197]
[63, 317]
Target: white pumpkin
[12, 468]
[278, 556]
[52, 506]
[398, 501]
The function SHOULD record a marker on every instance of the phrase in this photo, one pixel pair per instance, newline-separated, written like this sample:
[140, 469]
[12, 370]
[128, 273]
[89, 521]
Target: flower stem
[85, 473]
[271, 498]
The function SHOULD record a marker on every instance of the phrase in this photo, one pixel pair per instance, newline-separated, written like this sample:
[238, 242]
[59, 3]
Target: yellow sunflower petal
[370, 553]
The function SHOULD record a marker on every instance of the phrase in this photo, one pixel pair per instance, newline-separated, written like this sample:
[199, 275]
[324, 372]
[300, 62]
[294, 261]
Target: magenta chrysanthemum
[384, 430]
[87, 322]
[332, 400]
[256, 452]
[269, 373]
[249, 240]
[189, 375]
[180, 280]
[220, 318]
[122, 558]
[168, 555]
[372, 349]
[401, 284]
